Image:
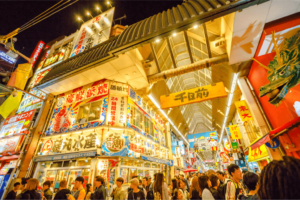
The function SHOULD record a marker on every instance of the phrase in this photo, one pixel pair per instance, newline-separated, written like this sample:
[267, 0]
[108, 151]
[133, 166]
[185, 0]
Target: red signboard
[17, 124]
[35, 54]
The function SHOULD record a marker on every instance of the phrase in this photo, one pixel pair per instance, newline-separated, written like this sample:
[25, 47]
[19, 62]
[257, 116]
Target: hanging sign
[243, 110]
[29, 102]
[17, 124]
[194, 95]
[47, 147]
[235, 132]
[118, 88]
[35, 54]
[114, 105]
[258, 153]
[273, 144]
[93, 32]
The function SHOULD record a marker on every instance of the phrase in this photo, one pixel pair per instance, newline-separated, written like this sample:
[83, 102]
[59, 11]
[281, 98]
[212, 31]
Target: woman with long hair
[30, 189]
[174, 187]
[205, 184]
[160, 187]
[195, 191]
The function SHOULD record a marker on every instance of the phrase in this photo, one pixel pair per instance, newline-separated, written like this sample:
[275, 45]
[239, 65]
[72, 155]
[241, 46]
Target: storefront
[103, 128]
[277, 86]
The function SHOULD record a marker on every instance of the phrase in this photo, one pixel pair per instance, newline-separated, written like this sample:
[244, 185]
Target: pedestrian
[29, 192]
[180, 195]
[145, 184]
[80, 192]
[119, 193]
[221, 177]
[160, 187]
[280, 179]
[186, 182]
[39, 191]
[63, 192]
[205, 185]
[74, 190]
[195, 191]
[214, 186]
[136, 193]
[88, 191]
[234, 187]
[13, 193]
[174, 187]
[185, 192]
[210, 171]
[100, 191]
[190, 180]
[52, 186]
[46, 189]
[141, 183]
[198, 174]
[250, 180]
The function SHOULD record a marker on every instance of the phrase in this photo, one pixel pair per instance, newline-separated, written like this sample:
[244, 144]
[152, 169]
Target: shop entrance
[57, 171]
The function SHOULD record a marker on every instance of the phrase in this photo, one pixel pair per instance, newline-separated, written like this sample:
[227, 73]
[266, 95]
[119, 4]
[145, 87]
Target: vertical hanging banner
[243, 110]
[235, 132]
[93, 32]
[234, 143]
[35, 54]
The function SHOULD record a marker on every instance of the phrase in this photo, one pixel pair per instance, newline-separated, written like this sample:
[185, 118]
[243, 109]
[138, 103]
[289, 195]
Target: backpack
[150, 195]
[222, 189]
[157, 196]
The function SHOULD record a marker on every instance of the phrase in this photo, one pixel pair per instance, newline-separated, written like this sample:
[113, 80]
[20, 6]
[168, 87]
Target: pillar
[35, 136]
[169, 143]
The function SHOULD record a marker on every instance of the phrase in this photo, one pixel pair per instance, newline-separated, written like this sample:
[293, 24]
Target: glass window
[148, 126]
[89, 112]
[83, 162]
[124, 174]
[154, 165]
[70, 163]
[56, 164]
[137, 118]
[140, 173]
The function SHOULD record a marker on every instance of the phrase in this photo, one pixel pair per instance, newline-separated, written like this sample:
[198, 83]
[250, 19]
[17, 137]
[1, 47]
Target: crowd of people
[278, 180]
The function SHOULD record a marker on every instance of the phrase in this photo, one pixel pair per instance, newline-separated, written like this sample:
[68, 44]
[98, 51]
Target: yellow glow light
[106, 20]
[88, 29]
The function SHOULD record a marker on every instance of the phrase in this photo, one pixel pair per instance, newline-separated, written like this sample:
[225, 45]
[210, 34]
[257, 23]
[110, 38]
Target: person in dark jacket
[13, 193]
[100, 192]
[29, 193]
[62, 191]
[185, 181]
[135, 193]
[214, 186]
[47, 192]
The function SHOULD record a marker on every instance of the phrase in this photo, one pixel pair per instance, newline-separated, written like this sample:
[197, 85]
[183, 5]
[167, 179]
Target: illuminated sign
[7, 58]
[93, 32]
[258, 153]
[48, 145]
[16, 124]
[194, 95]
[37, 51]
[29, 102]
[243, 110]
[9, 144]
[235, 132]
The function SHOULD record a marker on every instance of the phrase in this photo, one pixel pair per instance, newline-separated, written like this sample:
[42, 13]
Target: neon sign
[37, 51]
[7, 58]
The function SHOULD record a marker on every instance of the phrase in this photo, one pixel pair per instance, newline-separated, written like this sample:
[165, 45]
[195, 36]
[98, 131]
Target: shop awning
[190, 170]
[166, 162]
[65, 156]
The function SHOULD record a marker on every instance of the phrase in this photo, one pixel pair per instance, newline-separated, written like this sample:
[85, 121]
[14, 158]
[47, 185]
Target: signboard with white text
[93, 32]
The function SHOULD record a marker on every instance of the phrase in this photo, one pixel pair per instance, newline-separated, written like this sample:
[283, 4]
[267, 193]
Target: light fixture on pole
[89, 14]
[79, 19]
[98, 9]
[108, 3]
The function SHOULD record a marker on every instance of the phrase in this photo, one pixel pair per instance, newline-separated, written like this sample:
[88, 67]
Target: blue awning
[65, 156]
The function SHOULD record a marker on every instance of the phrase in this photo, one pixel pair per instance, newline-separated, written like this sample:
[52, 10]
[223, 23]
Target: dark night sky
[14, 14]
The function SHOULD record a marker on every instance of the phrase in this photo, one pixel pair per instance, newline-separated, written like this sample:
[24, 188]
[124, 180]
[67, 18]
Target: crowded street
[150, 100]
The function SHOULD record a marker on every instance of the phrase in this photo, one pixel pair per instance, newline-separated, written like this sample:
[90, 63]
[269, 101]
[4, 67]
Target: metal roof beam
[188, 46]
[171, 52]
[206, 40]
[155, 57]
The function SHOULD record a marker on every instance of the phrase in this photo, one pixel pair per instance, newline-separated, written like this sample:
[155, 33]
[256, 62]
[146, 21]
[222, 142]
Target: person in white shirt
[234, 187]
[205, 184]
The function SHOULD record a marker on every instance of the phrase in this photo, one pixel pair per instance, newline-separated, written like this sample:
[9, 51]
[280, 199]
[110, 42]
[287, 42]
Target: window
[137, 118]
[148, 126]
[89, 112]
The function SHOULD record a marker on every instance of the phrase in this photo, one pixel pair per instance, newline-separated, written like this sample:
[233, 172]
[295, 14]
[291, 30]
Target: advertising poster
[93, 32]
[234, 143]
[30, 102]
[17, 124]
[10, 144]
[207, 141]
[181, 146]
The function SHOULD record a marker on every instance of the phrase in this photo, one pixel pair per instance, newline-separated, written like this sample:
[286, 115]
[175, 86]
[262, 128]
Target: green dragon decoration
[283, 73]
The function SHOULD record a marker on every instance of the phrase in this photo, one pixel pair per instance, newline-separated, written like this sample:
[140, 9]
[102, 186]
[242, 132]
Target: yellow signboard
[194, 95]
[258, 153]
[235, 132]
[243, 110]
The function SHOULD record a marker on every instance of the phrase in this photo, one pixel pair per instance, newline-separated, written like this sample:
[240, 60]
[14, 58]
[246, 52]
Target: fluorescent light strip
[156, 104]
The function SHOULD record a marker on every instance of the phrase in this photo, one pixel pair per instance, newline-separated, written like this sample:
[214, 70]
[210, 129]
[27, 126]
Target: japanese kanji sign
[235, 132]
[194, 95]
[114, 108]
[93, 32]
[243, 110]
[257, 153]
